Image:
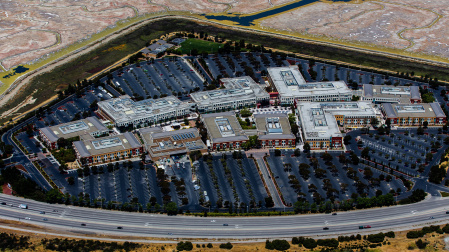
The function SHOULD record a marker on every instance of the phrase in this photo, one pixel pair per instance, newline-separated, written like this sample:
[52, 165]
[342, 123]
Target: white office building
[291, 86]
[123, 111]
[237, 93]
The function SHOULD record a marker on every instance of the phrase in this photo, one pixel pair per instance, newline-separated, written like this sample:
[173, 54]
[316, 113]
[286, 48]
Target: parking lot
[238, 183]
[168, 76]
[336, 181]
[402, 150]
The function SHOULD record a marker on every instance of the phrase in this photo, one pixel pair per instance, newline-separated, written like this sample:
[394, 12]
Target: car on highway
[367, 226]
[27, 218]
[45, 219]
[119, 228]
[325, 228]
[225, 224]
[3, 203]
[42, 212]
[334, 213]
[431, 217]
[82, 224]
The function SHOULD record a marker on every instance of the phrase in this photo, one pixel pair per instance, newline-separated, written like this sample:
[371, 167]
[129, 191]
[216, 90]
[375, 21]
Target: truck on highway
[23, 206]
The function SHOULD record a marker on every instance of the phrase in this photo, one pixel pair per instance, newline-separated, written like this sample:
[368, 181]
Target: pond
[248, 20]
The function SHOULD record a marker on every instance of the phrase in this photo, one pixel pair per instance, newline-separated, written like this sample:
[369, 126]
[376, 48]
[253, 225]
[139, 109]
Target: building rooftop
[316, 123]
[358, 108]
[105, 145]
[413, 110]
[273, 126]
[124, 109]
[73, 129]
[172, 142]
[402, 93]
[235, 89]
[223, 127]
[289, 82]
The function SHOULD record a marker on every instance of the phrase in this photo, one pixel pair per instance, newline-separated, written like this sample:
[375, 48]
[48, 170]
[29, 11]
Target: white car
[27, 218]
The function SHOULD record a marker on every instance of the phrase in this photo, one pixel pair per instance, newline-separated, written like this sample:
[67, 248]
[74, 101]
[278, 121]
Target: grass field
[200, 45]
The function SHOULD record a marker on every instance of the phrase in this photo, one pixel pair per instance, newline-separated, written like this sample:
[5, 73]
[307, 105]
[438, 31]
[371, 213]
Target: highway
[100, 222]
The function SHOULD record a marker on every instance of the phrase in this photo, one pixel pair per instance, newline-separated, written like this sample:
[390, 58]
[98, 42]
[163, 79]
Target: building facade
[107, 149]
[160, 144]
[89, 127]
[390, 94]
[238, 93]
[274, 131]
[123, 111]
[414, 114]
[291, 86]
[224, 131]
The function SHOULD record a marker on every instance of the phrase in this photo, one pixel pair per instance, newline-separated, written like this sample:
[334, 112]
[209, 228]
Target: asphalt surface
[134, 224]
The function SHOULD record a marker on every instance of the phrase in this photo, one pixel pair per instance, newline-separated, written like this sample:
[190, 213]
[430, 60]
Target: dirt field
[415, 26]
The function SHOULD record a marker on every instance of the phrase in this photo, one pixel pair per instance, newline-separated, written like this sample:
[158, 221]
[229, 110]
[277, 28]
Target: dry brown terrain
[30, 30]
[416, 26]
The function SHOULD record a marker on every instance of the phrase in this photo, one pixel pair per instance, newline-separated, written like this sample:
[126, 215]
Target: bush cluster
[280, 245]
[184, 246]
[226, 245]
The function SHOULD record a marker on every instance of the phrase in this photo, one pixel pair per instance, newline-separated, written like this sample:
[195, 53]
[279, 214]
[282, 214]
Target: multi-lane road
[100, 222]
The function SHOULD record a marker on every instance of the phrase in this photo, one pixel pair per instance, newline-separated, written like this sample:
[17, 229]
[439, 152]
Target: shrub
[446, 228]
[420, 244]
[309, 243]
[295, 240]
[184, 246]
[226, 245]
[333, 243]
[390, 234]
[280, 245]
[209, 245]
[376, 238]
[414, 234]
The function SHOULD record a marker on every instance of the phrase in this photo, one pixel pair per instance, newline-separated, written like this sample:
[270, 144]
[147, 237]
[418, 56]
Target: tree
[277, 152]
[184, 246]
[71, 180]
[269, 201]
[297, 152]
[306, 147]
[346, 139]
[365, 153]
[54, 196]
[368, 173]
[425, 124]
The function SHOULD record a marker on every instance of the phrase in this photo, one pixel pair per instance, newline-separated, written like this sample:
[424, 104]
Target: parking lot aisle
[122, 185]
[138, 185]
[237, 179]
[155, 191]
[270, 184]
[206, 183]
[280, 176]
[225, 188]
[107, 186]
[256, 182]
[185, 172]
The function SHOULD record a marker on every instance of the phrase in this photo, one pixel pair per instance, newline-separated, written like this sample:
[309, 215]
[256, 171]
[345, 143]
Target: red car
[368, 226]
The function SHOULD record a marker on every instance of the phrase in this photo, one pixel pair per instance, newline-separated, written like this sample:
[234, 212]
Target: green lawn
[200, 45]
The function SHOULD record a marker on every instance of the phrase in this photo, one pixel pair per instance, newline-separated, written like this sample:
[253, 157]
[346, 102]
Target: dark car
[3, 203]
[82, 224]
[225, 224]
[119, 228]
[42, 212]
[325, 228]
[334, 213]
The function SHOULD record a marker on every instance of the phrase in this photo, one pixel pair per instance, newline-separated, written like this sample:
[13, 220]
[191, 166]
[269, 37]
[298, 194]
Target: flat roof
[413, 110]
[179, 141]
[240, 88]
[124, 110]
[107, 144]
[274, 126]
[348, 109]
[223, 127]
[316, 123]
[73, 129]
[402, 93]
[290, 82]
